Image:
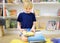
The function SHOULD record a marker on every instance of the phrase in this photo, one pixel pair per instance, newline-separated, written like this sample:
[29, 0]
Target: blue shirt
[26, 19]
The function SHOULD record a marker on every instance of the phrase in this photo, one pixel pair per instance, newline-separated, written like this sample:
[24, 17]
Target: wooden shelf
[47, 3]
[13, 4]
[50, 32]
[48, 16]
[10, 17]
[12, 29]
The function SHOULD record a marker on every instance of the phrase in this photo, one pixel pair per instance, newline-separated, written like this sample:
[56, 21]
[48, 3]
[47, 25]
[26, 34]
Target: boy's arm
[33, 27]
[19, 26]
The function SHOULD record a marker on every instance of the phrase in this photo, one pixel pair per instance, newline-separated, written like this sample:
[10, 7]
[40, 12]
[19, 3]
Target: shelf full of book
[52, 24]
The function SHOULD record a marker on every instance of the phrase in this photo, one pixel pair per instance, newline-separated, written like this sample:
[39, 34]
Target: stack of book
[40, 25]
[37, 12]
[58, 25]
[7, 24]
[12, 23]
[6, 12]
[58, 13]
[1, 12]
[13, 1]
[11, 13]
[51, 25]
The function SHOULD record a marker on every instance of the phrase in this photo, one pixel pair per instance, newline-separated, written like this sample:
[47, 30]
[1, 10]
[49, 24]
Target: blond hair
[25, 1]
[27, 4]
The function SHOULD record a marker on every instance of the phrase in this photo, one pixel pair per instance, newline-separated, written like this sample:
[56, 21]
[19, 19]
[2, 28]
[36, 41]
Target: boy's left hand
[33, 30]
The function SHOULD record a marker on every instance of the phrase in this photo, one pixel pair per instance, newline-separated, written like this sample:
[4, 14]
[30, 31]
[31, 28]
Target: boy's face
[28, 9]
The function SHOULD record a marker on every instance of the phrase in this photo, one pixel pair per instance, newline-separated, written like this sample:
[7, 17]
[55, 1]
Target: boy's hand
[33, 30]
[21, 30]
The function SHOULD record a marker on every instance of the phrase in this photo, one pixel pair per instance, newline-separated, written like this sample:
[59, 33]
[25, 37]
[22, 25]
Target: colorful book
[42, 25]
[51, 25]
[1, 12]
[7, 24]
[13, 13]
[37, 12]
[26, 1]
[13, 1]
[58, 25]
[6, 12]
[37, 25]
[58, 13]
[9, 1]
[13, 23]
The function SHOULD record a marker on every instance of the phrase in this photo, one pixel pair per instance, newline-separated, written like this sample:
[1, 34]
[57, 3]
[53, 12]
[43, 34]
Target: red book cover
[58, 12]
[59, 25]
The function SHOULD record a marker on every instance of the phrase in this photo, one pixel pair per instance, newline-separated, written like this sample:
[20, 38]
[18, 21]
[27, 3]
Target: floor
[8, 38]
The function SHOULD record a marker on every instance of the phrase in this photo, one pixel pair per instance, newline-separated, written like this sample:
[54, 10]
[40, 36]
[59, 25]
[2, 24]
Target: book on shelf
[58, 25]
[13, 13]
[7, 24]
[14, 1]
[40, 25]
[6, 12]
[37, 25]
[37, 12]
[13, 23]
[9, 1]
[58, 13]
[26, 1]
[51, 25]
[10, 13]
[1, 11]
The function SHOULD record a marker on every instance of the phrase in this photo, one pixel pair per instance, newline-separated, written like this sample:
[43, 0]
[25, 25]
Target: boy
[26, 20]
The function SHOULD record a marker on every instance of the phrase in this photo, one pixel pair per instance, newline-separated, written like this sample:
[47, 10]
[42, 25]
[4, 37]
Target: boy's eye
[29, 8]
[26, 8]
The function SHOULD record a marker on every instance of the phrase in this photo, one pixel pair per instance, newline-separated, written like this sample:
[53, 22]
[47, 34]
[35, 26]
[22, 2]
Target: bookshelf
[48, 13]
[46, 10]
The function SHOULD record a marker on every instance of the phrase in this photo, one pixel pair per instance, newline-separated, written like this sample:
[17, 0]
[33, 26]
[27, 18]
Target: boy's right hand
[21, 30]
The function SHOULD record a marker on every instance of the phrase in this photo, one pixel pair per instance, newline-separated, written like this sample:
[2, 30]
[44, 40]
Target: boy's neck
[28, 12]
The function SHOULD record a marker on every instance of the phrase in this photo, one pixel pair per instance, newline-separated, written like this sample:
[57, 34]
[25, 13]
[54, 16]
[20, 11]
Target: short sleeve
[19, 19]
[34, 18]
